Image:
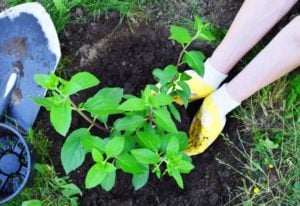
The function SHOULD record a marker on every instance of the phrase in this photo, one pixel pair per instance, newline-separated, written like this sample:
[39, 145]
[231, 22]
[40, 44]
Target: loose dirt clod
[17, 47]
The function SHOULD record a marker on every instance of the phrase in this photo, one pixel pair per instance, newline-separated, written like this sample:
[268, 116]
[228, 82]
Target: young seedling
[143, 138]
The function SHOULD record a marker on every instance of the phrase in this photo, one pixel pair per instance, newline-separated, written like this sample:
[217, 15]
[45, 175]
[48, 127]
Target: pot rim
[21, 187]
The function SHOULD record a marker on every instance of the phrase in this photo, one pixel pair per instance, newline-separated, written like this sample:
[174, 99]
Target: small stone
[213, 199]
[128, 87]
[143, 39]
[93, 25]
[224, 174]
[79, 12]
[148, 58]
[123, 63]
[114, 14]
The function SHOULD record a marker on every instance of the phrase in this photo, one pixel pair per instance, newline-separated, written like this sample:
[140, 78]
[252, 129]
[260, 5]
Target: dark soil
[126, 59]
[124, 56]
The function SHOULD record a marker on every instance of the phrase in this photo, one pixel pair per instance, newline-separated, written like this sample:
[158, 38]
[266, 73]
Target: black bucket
[15, 163]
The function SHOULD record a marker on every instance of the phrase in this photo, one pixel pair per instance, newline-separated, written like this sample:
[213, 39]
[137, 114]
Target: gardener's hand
[209, 121]
[203, 86]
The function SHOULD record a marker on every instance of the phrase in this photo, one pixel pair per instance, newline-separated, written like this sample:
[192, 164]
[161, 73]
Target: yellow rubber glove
[209, 121]
[203, 86]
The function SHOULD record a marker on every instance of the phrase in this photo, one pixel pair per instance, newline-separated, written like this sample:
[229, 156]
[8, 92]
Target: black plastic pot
[15, 163]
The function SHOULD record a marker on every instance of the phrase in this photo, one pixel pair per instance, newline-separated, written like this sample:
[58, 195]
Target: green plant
[59, 190]
[143, 136]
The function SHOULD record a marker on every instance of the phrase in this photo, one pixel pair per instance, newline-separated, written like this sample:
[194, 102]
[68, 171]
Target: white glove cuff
[224, 101]
[212, 76]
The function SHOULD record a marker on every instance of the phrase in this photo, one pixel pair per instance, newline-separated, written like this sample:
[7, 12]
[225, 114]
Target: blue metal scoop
[29, 45]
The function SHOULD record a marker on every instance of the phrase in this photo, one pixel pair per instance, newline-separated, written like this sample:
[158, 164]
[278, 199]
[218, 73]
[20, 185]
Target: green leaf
[176, 175]
[97, 156]
[102, 118]
[129, 164]
[61, 117]
[47, 102]
[109, 181]
[154, 89]
[138, 181]
[183, 96]
[59, 5]
[269, 144]
[198, 24]
[203, 30]
[147, 94]
[180, 35]
[95, 176]
[41, 168]
[93, 142]
[70, 190]
[166, 75]
[195, 60]
[50, 81]
[78, 82]
[181, 138]
[109, 167]
[130, 142]
[174, 112]
[128, 96]
[105, 102]
[157, 172]
[73, 152]
[162, 119]
[73, 201]
[296, 187]
[114, 94]
[145, 156]
[129, 123]
[185, 167]
[115, 146]
[173, 146]
[165, 139]
[185, 77]
[148, 140]
[162, 100]
[185, 88]
[32, 203]
[133, 104]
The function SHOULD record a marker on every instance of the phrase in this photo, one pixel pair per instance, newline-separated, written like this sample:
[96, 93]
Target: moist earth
[124, 55]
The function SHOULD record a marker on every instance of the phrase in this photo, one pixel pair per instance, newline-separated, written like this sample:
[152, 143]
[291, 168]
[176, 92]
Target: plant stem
[88, 119]
[179, 63]
[181, 54]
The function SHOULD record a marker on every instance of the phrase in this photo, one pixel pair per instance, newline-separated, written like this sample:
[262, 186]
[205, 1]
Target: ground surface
[124, 56]
[126, 59]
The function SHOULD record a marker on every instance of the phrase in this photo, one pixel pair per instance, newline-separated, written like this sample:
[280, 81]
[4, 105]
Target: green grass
[61, 10]
[270, 158]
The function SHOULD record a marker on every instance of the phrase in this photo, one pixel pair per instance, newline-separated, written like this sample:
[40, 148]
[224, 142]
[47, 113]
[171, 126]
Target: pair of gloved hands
[210, 120]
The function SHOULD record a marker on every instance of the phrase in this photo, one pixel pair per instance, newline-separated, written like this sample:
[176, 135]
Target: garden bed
[124, 55]
[125, 59]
